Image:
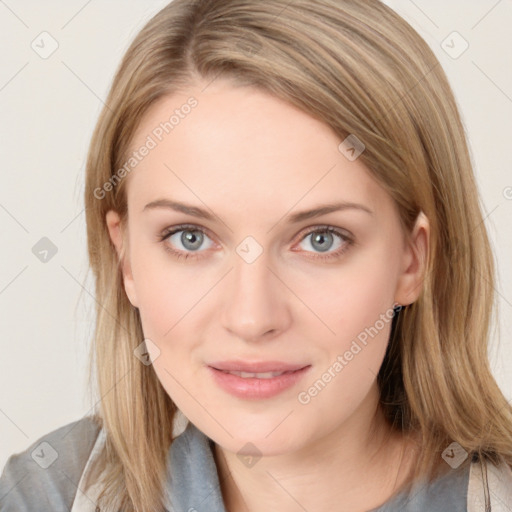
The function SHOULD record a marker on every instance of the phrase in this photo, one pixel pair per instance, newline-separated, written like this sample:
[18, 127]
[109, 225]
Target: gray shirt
[46, 476]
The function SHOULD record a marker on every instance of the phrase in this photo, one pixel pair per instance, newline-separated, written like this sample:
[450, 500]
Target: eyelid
[328, 228]
[185, 227]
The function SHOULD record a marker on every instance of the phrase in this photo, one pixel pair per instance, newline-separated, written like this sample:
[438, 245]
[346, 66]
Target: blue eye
[322, 239]
[191, 238]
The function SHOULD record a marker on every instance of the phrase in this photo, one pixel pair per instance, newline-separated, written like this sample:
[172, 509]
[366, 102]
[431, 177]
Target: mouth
[250, 375]
[257, 384]
[259, 367]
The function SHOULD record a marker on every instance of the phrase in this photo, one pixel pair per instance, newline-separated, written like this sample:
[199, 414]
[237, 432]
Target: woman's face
[249, 277]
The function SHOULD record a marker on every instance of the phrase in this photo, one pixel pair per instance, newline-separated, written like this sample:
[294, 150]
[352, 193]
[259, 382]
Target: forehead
[242, 147]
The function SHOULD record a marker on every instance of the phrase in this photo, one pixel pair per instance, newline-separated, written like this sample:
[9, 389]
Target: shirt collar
[192, 480]
[193, 483]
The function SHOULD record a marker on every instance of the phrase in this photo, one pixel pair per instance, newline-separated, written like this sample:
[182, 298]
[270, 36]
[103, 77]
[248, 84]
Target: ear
[415, 255]
[119, 236]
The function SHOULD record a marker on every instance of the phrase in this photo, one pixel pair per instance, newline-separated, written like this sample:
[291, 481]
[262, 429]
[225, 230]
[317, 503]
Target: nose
[256, 301]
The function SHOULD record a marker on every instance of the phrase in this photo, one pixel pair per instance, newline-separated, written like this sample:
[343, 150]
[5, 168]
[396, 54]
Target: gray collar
[194, 485]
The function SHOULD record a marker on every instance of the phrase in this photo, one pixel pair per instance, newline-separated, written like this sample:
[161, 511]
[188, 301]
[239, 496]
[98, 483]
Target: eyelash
[316, 229]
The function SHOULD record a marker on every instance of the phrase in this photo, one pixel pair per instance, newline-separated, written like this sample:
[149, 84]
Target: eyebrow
[292, 219]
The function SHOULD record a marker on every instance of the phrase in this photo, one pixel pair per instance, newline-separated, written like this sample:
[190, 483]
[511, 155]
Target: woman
[289, 255]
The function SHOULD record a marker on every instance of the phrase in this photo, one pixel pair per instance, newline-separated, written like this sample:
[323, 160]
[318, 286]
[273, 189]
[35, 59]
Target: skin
[252, 160]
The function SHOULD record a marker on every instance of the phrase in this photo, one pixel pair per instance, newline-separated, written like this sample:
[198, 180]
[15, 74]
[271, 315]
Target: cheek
[354, 305]
[167, 289]
[348, 299]
[169, 300]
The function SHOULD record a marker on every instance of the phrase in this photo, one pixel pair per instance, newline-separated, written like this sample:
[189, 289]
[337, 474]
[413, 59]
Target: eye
[185, 238]
[186, 241]
[324, 239]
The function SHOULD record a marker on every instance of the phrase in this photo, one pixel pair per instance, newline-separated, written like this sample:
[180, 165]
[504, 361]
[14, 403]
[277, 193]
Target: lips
[251, 375]
[256, 367]
[257, 385]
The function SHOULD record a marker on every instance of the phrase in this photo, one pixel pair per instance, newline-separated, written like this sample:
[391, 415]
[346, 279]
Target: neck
[351, 469]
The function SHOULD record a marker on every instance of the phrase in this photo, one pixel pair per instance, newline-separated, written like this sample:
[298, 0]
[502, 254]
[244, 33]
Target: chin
[258, 439]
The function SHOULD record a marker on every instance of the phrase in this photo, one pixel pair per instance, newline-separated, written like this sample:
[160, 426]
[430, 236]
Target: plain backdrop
[48, 110]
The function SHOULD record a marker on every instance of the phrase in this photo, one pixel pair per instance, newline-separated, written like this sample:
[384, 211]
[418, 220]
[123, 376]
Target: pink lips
[254, 387]
[256, 367]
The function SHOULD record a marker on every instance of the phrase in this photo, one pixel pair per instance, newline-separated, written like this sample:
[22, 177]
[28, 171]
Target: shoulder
[45, 476]
[473, 487]
[490, 487]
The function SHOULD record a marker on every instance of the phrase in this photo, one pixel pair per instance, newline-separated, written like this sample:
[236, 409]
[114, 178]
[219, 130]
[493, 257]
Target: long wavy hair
[361, 69]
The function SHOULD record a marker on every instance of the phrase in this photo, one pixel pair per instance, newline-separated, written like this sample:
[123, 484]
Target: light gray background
[48, 110]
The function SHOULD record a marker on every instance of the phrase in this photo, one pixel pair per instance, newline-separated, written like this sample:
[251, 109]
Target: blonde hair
[361, 69]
